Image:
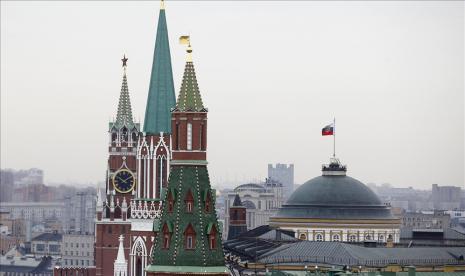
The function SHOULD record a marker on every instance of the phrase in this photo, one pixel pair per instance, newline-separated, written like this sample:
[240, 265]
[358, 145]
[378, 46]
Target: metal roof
[337, 253]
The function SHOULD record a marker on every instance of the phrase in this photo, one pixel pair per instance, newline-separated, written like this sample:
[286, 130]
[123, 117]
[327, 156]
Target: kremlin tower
[189, 237]
[138, 168]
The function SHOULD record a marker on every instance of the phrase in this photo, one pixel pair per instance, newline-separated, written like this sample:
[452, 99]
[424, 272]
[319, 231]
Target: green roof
[124, 114]
[183, 179]
[161, 98]
[189, 98]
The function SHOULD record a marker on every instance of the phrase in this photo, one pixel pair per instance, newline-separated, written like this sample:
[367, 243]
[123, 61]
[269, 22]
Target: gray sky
[271, 73]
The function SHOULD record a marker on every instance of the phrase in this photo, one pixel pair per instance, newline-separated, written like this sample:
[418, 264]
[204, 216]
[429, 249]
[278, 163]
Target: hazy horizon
[272, 74]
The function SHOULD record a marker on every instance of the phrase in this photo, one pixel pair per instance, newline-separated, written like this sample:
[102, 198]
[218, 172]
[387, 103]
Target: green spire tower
[188, 237]
[161, 98]
[124, 113]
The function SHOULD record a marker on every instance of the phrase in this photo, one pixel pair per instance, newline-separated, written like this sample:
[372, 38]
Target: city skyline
[390, 107]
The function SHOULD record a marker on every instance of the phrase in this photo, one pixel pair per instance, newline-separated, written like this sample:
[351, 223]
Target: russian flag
[328, 130]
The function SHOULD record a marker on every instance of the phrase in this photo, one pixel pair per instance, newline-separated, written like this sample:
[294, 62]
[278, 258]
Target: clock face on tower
[124, 181]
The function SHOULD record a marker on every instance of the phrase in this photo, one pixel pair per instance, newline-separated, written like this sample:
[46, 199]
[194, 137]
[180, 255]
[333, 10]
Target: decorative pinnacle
[186, 40]
[124, 60]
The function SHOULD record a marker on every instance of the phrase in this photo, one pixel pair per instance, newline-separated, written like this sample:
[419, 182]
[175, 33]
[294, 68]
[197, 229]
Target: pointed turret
[124, 113]
[121, 264]
[189, 98]
[161, 98]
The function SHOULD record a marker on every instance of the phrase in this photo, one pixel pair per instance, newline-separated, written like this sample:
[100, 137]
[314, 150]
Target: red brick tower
[113, 211]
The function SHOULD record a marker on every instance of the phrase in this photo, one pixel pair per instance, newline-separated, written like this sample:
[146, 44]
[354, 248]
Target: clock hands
[121, 179]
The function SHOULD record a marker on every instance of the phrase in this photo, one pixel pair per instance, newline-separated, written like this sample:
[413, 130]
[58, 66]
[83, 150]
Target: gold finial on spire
[162, 4]
[186, 40]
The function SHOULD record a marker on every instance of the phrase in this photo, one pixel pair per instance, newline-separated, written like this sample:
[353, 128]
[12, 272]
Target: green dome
[334, 190]
[334, 197]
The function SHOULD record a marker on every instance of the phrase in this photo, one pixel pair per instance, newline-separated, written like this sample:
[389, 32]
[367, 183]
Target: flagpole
[334, 137]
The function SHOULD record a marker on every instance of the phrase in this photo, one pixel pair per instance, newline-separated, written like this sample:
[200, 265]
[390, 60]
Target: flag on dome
[328, 130]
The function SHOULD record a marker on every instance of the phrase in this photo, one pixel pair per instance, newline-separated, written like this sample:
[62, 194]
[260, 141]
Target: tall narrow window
[189, 136]
[166, 236]
[212, 238]
[170, 202]
[189, 201]
[189, 235]
[201, 137]
[177, 137]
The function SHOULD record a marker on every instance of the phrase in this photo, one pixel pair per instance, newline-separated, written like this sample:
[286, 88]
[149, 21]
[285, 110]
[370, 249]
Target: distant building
[260, 200]
[336, 207]
[37, 211]
[47, 244]
[33, 193]
[79, 212]
[426, 220]
[6, 185]
[284, 174]
[446, 197]
[77, 250]
[29, 177]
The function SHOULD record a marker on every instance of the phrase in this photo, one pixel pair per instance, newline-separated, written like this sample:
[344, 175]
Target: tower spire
[124, 113]
[189, 98]
[161, 98]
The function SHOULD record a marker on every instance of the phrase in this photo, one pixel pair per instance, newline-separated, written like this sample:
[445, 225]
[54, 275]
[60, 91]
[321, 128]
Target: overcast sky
[272, 74]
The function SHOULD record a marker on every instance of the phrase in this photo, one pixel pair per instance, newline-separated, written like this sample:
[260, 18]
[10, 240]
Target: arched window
[208, 202]
[303, 237]
[319, 237]
[381, 238]
[124, 134]
[336, 238]
[134, 137]
[189, 237]
[170, 202]
[352, 238]
[189, 200]
[166, 236]
[114, 136]
[368, 237]
[212, 236]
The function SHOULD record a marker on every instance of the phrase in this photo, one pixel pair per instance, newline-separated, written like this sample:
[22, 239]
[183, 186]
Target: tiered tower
[113, 210]
[189, 238]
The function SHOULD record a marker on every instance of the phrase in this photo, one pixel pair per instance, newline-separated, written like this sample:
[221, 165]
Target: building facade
[446, 197]
[78, 250]
[426, 220]
[47, 244]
